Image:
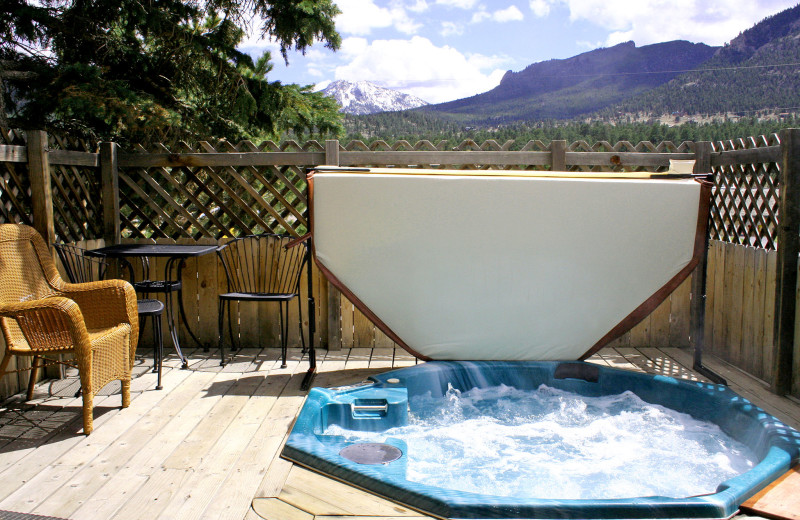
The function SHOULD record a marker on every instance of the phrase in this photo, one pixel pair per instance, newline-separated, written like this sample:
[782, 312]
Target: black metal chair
[263, 268]
[81, 268]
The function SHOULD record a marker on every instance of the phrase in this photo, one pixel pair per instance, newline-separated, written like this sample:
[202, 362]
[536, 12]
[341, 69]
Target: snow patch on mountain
[363, 97]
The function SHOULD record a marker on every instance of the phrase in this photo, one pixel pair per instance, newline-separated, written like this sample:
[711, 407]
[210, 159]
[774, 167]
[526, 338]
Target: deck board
[208, 445]
[780, 500]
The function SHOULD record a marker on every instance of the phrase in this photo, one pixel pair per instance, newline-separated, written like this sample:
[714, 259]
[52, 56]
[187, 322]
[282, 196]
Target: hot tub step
[378, 410]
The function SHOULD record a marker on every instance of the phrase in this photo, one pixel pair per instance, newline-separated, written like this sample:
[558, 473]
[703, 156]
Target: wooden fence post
[332, 152]
[42, 207]
[788, 249]
[109, 175]
[333, 303]
[41, 190]
[697, 309]
[558, 162]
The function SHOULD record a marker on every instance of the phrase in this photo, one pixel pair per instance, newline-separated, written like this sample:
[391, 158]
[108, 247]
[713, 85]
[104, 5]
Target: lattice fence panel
[493, 146]
[218, 201]
[468, 145]
[626, 147]
[744, 207]
[536, 146]
[192, 201]
[400, 145]
[15, 186]
[77, 208]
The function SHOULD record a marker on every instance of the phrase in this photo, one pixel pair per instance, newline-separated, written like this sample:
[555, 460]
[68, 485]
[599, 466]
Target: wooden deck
[207, 446]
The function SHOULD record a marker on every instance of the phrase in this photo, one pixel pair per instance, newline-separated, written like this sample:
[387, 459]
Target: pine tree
[164, 69]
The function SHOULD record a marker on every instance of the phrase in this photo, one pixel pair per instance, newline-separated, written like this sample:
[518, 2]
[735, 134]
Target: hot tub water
[550, 443]
[510, 436]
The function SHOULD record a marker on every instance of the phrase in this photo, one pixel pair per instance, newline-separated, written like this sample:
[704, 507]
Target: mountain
[567, 88]
[363, 97]
[761, 35]
[755, 72]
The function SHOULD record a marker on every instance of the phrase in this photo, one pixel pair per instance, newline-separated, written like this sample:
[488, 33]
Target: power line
[410, 82]
[679, 71]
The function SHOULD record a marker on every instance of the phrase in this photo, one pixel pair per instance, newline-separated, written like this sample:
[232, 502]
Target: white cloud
[713, 22]
[353, 46]
[461, 4]
[588, 45]
[253, 42]
[360, 17]
[419, 67]
[479, 16]
[481, 62]
[316, 63]
[404, 23]
[451, 29]
[510, 14]
[419, 6]
[540, 8]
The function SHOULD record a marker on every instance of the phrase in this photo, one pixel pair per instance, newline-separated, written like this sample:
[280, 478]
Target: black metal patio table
[176, 255]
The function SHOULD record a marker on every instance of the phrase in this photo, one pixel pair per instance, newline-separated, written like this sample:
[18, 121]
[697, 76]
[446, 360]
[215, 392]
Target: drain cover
[371, 453]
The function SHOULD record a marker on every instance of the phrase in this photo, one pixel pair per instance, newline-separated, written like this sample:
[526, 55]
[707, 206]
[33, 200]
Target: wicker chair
[41, 314]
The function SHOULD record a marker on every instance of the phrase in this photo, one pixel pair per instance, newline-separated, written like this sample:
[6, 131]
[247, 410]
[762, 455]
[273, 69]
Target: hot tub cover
[505, 265]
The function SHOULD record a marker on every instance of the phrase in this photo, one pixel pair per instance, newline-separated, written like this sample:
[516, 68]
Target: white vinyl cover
[470, 267]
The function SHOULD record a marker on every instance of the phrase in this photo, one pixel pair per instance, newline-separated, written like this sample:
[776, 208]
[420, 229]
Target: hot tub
[383, 403]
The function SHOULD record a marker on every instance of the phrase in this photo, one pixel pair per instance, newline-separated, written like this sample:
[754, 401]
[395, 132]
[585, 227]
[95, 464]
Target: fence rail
[71, 191]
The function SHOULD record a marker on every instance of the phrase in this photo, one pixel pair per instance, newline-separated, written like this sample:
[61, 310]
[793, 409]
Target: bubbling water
[551, 444]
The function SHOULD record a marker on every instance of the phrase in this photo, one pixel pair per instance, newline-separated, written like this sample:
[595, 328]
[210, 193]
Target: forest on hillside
[415, 126]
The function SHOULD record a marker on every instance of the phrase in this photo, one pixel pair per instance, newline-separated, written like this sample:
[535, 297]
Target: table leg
[168, 303]
[159, 346]
[181, 309]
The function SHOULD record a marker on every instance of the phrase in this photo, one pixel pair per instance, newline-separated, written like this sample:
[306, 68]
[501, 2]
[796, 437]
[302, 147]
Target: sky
[441, 50]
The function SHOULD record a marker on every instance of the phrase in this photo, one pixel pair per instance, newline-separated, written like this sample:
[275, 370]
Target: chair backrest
[27, 269]
[263, 264]
[79, 267]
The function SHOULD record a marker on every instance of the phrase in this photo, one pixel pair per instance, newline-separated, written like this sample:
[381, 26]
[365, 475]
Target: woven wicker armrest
[105, 303]
[49, 323]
